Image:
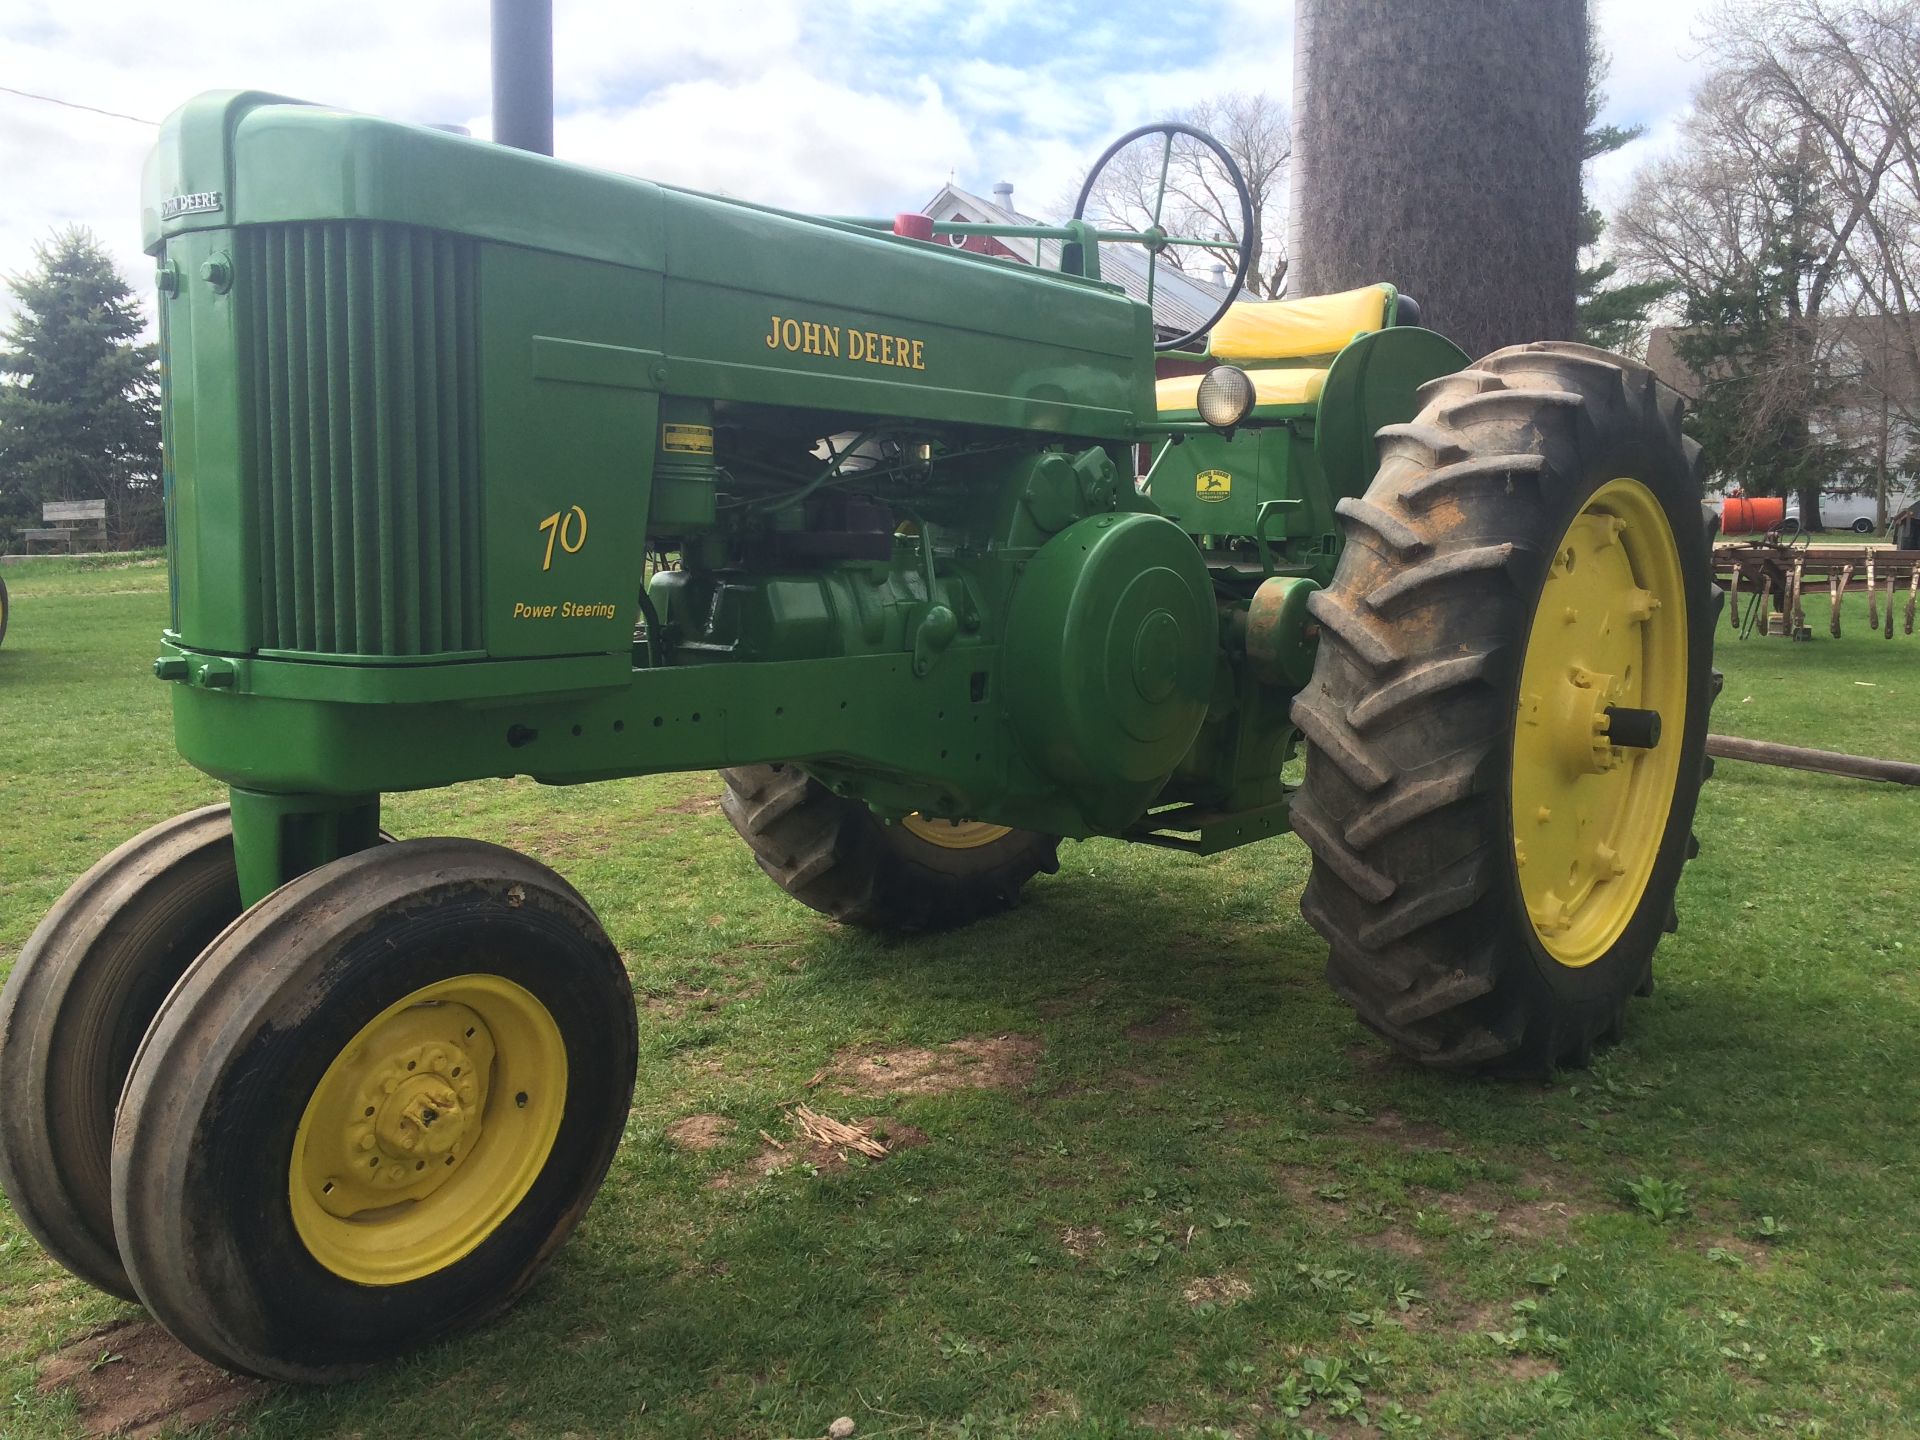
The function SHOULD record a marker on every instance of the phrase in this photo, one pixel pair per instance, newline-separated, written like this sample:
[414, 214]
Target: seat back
[1316, 325]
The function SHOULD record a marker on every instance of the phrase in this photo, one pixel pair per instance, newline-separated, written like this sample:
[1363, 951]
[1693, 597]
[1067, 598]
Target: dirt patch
[700, 1132]
[1164, 1026]
[133, 1380]
[1545, 1217]
[1219, 1290]
[1541, 1219]
[680, 1000]
[1080, 1241]
[693, 805]
[1530, 1367]
[1395, 1242]
[1479, 1319]
[776, 1155]
[994, 1062]
[1758, 1256]
[684, 999]
[1411, 1134]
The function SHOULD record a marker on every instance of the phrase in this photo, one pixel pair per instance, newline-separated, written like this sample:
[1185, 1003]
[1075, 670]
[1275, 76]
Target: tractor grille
[365, 428]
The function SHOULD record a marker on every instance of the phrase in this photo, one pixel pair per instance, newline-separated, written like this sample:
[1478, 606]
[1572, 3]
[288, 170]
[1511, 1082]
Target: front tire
[1863, 526]
[836, 856]
[446, 1011]
[73, 1012]
[1491, 870]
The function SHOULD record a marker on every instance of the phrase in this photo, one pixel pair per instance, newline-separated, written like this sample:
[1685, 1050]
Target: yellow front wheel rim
[427, 1130]
[954, 834]
[1610, 630]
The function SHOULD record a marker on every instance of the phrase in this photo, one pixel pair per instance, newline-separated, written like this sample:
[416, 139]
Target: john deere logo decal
[1213, 486]
[201, 202]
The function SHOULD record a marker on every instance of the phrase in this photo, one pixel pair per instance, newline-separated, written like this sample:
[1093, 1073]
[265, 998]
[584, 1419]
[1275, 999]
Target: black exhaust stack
[523, 74]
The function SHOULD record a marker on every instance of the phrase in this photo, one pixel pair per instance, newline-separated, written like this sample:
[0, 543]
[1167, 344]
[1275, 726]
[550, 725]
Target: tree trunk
[1438, 146]
[1810, 520]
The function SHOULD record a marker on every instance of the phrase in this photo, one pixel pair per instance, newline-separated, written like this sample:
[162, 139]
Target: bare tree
[1199, 198]
[1438, 146]
[1850, 75]
[1790, 223]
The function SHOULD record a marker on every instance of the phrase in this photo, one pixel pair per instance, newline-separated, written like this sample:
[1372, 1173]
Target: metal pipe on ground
[523, 74]
[1825, 762]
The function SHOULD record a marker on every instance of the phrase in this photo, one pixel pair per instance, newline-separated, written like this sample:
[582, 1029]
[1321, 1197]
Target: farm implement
[1769, 580]
[481, 464]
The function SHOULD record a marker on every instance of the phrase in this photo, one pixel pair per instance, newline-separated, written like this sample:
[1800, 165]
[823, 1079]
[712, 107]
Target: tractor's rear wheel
[836, 856]
[81, 995]
[5, 611]
[1506, 727]
[372, 1109]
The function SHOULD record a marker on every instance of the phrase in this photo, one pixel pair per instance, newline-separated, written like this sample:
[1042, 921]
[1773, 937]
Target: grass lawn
[1169, 1183]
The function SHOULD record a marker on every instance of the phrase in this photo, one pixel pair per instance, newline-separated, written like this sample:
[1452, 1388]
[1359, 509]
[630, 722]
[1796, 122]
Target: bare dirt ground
[134, 1380]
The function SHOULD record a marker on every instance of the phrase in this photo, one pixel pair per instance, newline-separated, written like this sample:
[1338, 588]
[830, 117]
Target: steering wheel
[1155, 238]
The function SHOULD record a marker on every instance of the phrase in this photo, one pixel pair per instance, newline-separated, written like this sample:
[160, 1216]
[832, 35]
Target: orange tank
[1741, 515]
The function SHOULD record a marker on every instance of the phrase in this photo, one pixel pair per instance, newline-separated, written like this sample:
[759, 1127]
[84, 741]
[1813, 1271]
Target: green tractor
[482, 464]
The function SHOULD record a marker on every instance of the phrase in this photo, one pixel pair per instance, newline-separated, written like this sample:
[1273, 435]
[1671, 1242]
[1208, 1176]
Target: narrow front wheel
[73, 1012]
[373, 1109]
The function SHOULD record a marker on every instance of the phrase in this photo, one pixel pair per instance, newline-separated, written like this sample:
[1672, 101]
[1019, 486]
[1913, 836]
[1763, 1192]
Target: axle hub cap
[427, 1130]
[1608, 641]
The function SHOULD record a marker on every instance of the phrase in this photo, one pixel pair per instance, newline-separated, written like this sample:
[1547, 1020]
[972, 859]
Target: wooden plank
[1827, 762]
[47, 534]
[71, 510]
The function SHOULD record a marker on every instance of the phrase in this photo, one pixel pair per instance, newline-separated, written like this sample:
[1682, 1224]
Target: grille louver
[365, 435]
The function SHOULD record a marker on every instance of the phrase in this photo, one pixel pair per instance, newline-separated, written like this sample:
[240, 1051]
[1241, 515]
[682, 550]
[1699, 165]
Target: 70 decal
[569, 528]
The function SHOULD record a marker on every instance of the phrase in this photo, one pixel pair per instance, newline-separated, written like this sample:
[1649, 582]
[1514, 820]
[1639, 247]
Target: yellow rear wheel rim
[427, 1130]
[1609, 630]
[954, 834]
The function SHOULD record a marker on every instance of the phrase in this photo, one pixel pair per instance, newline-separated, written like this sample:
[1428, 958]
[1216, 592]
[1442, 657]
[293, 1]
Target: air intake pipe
[523, 74]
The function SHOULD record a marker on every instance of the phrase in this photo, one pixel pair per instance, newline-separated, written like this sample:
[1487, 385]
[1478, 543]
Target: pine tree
[79, 393]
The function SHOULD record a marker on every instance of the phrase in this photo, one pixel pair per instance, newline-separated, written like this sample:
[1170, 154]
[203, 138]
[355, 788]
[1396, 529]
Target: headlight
[1225, 396]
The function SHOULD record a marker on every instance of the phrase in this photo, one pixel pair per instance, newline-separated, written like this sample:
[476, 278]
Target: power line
[73, 105]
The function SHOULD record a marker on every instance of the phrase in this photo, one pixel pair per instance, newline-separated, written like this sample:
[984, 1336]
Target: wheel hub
[954, 834]
[423, 1116]
[408, 1101]
[1605, 667]
[427, 1129]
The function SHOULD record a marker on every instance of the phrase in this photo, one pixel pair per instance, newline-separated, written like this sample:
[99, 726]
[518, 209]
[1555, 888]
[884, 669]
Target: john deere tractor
[481, 464]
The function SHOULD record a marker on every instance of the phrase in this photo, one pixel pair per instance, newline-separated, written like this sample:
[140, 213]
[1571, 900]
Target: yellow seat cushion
[1298, 329]
[1298, 386]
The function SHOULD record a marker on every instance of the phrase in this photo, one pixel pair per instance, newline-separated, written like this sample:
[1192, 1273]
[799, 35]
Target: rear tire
[1414, 717]
[836, 856]
[1863, 526]
[6, 611]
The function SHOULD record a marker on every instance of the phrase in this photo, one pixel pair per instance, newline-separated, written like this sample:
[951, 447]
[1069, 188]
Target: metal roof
[1181, 302]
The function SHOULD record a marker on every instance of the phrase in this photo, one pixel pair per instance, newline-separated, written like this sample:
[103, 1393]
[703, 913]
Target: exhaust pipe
[523, 74]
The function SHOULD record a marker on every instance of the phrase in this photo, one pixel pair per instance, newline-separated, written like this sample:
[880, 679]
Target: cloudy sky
[861, 106]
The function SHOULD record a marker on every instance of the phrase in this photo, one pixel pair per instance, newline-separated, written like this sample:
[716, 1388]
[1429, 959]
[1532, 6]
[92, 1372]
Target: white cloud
[787, 136]
[1656, 56]
[832, 105]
